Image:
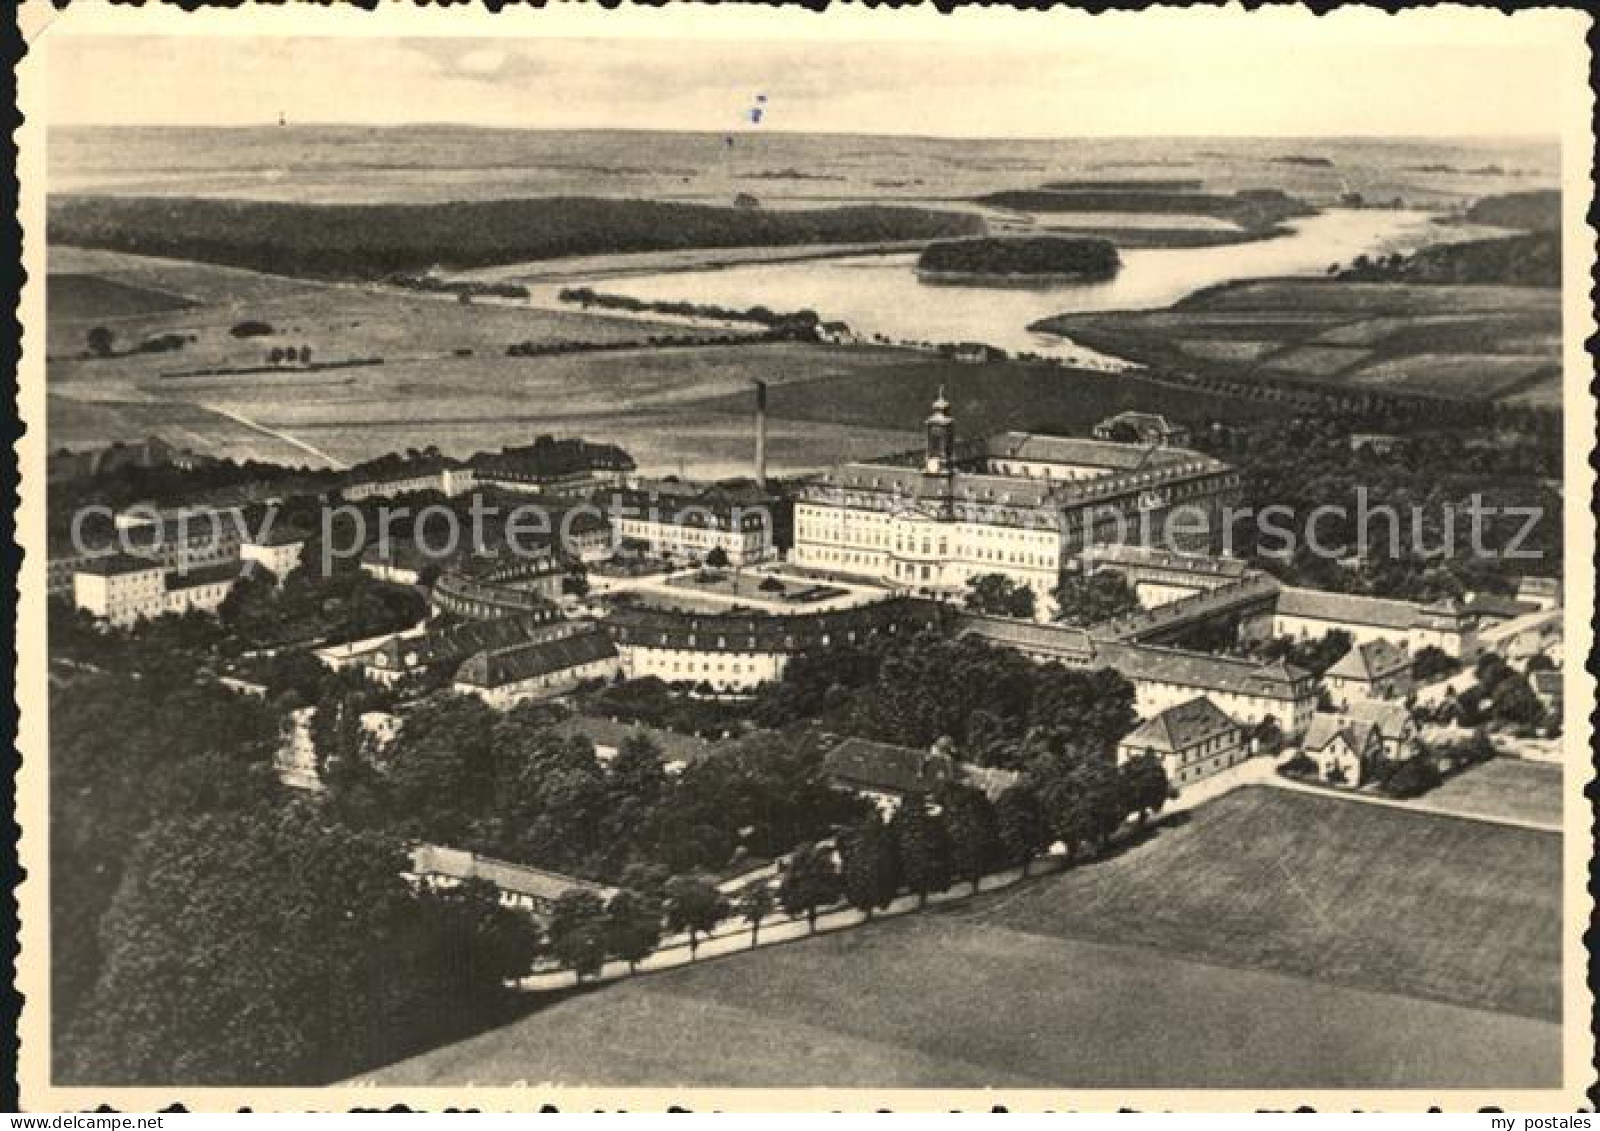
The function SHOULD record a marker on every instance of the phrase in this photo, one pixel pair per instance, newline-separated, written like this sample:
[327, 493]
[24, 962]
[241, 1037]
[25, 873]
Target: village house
[1193, 740]
[1396, 726]
[1343, 748]
[1373, 670]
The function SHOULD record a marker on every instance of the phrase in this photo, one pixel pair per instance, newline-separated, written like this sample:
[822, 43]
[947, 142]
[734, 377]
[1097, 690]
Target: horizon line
[747, 133]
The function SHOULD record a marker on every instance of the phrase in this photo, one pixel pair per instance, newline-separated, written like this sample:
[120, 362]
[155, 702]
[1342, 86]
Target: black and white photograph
[867, 558]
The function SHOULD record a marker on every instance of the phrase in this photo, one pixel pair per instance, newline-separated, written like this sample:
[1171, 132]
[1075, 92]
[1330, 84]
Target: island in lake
[1019, 261]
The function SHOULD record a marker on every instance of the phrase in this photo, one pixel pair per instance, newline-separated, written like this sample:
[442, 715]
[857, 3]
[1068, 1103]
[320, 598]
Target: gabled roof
[202, 575]
[574, 646]
[1206, 672]
[432, 861]
[885, 768]
[1390, 718]
[1182, 727]
[115, 565]
[1326, 728]
[600, 731]
[1374, 660]
[458, 641]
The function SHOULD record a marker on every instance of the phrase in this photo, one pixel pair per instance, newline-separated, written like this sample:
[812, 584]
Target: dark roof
[1325, 728]
[674, 747]
[202, 575]
[1375, 659]
[456, 642]
[114, 565]
[745, 631]
[1205, 672]
[1388, 716]
[884, 768]
[550, 458]
[1182, 727]
[578, 645]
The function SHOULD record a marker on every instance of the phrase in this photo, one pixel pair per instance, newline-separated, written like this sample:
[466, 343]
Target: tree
[694, 904]
[869, 865]
[1432, 662]
[1088, 599]
[102, 341]
[578, 932]
[1144, 784]
[633, 926]
[755, 903]
[969, 817]
[1021, 824]
[923, 845]
[808, 882]
[199, 987]
[995, 594]
[717, 558]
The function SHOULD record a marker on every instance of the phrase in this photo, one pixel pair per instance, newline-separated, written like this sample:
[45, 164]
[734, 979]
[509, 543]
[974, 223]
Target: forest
[1074, 257]
[376, 241]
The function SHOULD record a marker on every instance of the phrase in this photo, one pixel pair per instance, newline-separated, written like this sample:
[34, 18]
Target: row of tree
[930, 844]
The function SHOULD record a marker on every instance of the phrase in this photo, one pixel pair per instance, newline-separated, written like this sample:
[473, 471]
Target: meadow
[1197, 957]
[1502, 787]
[445, 378]
[1457, 342]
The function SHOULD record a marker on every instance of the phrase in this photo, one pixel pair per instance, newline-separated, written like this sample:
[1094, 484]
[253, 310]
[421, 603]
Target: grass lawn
[1466, 342]
[1274, 940]
[1359, 895]
[90, 296]
[1502, 787]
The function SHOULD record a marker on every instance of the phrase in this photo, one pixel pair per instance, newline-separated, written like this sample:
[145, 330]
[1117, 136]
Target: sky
[1242, 77]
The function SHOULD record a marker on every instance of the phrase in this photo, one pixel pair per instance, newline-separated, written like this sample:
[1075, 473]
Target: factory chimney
[761, 434]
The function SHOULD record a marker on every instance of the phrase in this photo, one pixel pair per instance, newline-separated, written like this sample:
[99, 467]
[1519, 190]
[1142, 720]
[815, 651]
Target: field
[1470, 343]
[1001, 395]
[445, 380]
[1275, 940]
[90, 296]
[426, 391]
[1502, 787]
[339, 164]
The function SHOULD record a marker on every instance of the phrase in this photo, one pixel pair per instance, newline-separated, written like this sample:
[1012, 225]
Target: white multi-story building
[685, 521]
[1310, 613]
[120, 589]
[1017, 504]
[278, 552]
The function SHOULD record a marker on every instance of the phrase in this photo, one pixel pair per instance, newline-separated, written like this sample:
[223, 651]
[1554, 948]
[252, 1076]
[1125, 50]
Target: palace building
[1019, 504]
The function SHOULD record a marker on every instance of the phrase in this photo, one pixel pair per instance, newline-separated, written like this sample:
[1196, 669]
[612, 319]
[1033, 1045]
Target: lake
[880, 294]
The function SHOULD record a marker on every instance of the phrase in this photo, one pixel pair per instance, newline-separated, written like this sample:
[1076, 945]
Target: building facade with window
[1018, 504]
